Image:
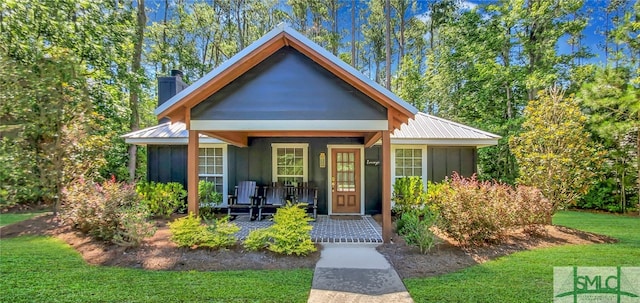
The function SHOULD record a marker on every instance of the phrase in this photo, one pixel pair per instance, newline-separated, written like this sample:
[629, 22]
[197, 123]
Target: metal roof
[428, 129]
[423, 129]
[166, 133]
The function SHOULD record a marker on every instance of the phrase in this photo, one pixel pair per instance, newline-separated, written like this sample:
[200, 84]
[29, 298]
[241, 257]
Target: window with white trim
[408, 162]
[211, 167]
[289, 163]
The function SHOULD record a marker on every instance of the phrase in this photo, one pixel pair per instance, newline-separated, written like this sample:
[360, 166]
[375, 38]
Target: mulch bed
[159, 253]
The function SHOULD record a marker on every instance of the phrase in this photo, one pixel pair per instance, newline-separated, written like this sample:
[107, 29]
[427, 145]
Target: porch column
[386, 186]
[192, 172]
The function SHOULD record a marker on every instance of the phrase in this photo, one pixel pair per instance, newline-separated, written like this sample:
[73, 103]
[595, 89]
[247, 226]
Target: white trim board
[289, 125]
[170, 141]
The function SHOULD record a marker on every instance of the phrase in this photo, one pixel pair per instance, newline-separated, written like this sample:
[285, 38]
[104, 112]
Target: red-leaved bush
[109, 211]
[474, 212]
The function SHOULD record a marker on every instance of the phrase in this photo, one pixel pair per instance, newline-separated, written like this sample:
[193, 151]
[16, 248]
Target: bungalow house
[285, 97]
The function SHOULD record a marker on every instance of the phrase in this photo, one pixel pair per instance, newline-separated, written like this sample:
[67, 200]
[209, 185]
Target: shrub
[208, 212]
[134, 226]
[475, 212]
[601, 195]
[190, 232]
[220, 233]
[408, 193]
[290, 234]
[209, 199]
[109, 211]
[162, 199]
[186, 231]
[207, 194]
[257, 239]
[532, 209]
[415, 226]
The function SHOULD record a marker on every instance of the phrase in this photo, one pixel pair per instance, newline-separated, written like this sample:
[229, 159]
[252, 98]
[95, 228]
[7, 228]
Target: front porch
[355, 229]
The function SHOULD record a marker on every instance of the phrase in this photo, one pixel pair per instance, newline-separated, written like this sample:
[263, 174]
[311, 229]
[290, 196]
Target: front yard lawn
[528, 276]
[45, 269]
[10, 218]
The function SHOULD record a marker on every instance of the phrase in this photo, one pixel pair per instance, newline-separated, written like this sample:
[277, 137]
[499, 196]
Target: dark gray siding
[254, 162]
[373, 181]
[167, 163]
[443, 161]
[288, 85]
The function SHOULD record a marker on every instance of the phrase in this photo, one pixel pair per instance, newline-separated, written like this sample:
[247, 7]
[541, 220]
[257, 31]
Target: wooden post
[386, 186]
[192, 172]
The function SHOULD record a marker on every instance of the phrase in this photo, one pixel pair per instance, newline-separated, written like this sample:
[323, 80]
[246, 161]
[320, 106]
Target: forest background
[75, 75]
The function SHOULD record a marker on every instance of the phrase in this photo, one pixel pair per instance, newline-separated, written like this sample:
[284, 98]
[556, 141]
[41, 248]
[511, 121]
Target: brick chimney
[169, 87]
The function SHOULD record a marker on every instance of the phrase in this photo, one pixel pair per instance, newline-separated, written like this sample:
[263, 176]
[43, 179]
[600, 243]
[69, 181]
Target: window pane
[289, 166]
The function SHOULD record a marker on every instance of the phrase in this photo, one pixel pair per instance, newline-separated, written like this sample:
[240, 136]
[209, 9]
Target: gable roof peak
[280, 36]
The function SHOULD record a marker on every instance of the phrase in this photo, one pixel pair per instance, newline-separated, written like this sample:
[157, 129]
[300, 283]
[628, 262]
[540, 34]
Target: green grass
[6, 219]
[45, 269]
[528, 276]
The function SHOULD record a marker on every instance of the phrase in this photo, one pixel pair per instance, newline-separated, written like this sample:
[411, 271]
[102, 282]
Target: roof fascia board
[446, 142]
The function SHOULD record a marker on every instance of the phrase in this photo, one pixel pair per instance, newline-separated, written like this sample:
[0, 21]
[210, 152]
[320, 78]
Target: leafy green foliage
[613, 104]
[290, 233]
[133, 226]
[408, 193]
[257, 239]
[162, 199]
[109, 211]
[600, 196]
[62, 81]
[554, 152]
[187, 231]
[207, 193]
[415, 226]
[474, 212]
[190, 232]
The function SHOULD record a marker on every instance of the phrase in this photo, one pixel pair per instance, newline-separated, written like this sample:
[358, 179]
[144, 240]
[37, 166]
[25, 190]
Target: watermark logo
[596, 284]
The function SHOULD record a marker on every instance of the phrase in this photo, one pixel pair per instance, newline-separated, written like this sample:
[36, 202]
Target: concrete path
[355, 273]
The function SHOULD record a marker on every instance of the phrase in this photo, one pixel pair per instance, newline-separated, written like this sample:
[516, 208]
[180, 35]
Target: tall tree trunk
[163, 65]
[506, 57]
[387, 9]
[134, 94]
[333, 15]
[353, 33]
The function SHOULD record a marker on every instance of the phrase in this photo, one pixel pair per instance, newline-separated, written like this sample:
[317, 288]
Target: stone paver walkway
[355, 273]
[325, 229]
